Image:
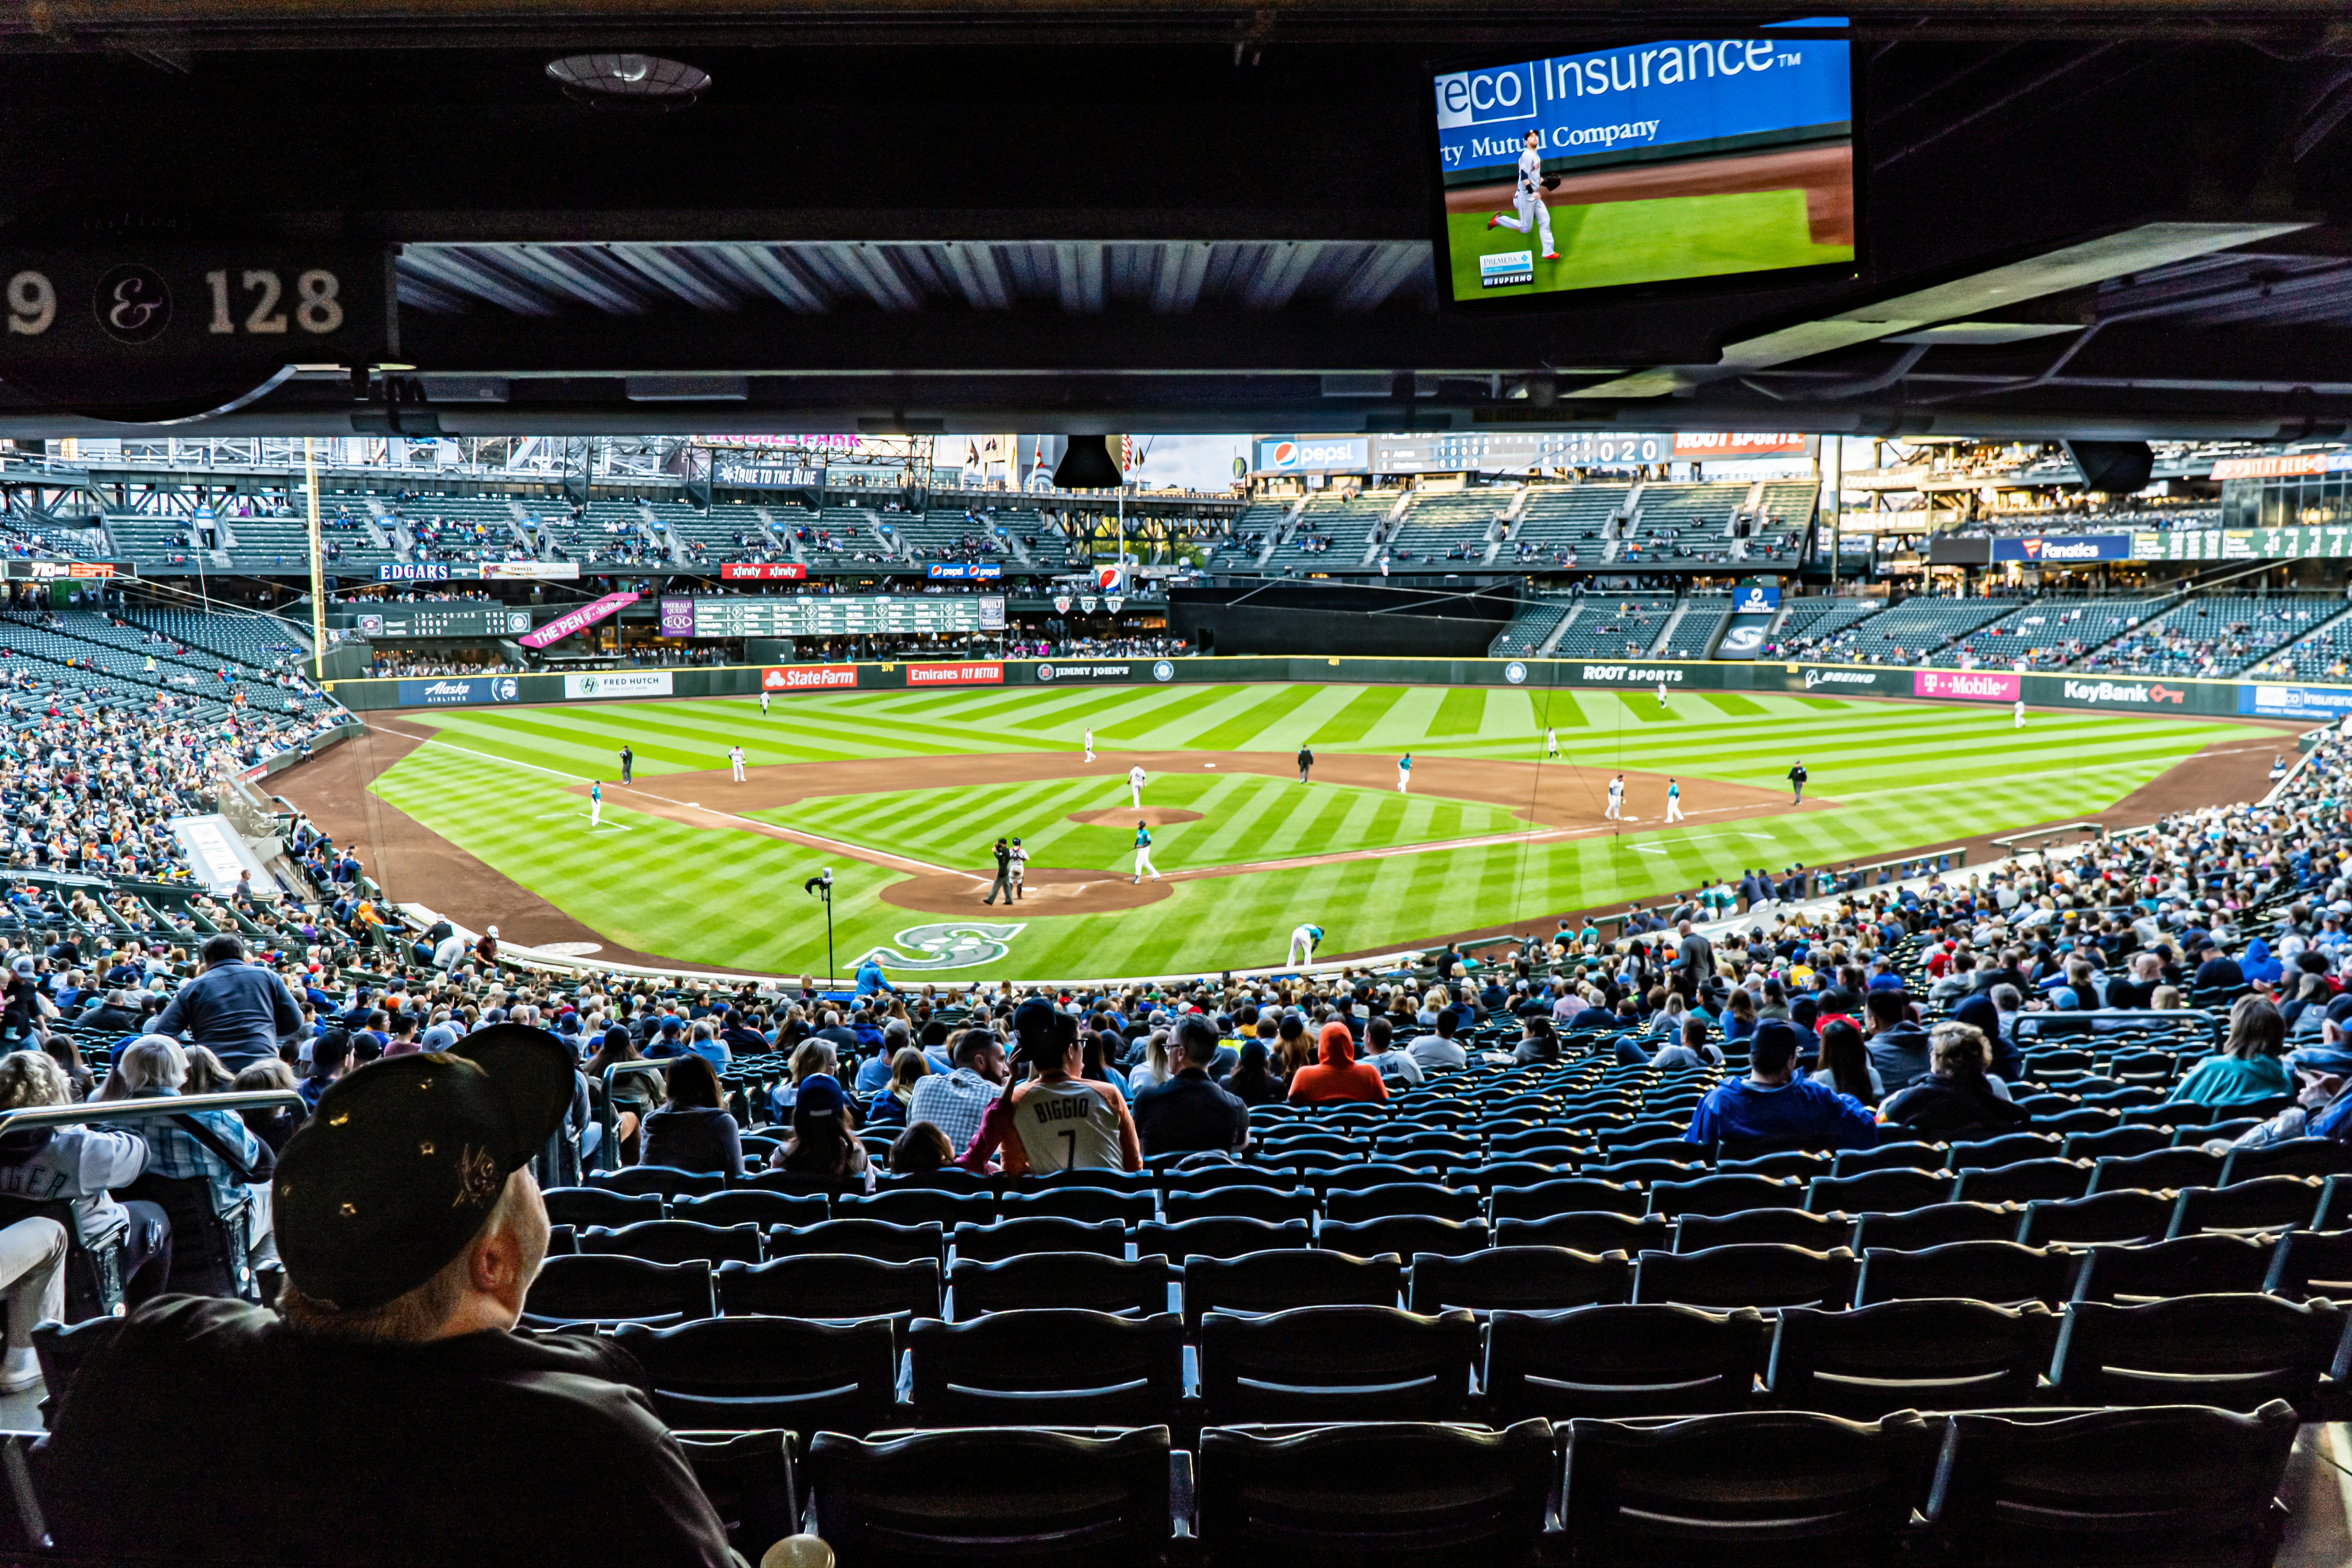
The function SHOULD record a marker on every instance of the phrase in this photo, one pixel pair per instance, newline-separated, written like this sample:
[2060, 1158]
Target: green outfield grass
[1244, 817]
[496, 782]
[1608, 243]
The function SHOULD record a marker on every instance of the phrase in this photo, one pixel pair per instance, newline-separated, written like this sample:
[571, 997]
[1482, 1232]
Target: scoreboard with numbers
[844, 614]
[443, 621]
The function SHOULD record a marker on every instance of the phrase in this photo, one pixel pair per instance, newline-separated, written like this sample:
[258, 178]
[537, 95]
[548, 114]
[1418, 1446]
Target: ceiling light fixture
[631, 81]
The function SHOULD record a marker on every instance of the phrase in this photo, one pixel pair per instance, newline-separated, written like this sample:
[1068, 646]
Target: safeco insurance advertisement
[1688, 159]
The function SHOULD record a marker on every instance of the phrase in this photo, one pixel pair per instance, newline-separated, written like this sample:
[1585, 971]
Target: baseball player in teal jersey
[595, 802]
[1673, 801]
[1405, 773]
[1143, 853]
[1303, 940]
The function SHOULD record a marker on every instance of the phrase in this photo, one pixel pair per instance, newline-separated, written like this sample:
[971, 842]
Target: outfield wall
[1978, 687]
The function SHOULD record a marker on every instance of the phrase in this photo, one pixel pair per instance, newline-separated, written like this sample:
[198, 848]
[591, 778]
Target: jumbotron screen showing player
[1646, 163]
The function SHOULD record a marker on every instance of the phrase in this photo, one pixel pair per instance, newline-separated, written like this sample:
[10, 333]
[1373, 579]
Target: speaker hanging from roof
[2113, 468]
[1087, 465]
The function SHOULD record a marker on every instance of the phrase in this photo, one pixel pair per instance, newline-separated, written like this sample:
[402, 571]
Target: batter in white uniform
[1528, 197]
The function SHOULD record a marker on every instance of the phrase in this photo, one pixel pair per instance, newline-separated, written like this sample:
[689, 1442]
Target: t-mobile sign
[1970, 685]
[676, 615]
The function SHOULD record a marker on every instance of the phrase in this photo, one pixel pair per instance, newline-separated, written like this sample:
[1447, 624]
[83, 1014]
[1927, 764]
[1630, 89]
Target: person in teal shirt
[1143, 864]
[2248, 1066]
[1405, 773]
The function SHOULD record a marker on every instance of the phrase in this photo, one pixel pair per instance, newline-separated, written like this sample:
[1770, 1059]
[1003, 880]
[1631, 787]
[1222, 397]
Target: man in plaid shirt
[159, 1067]
[954, 1102]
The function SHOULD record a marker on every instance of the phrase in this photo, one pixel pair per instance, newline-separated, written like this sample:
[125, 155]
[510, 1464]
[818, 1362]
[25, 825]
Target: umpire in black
[1004, 874]
[1306, 762]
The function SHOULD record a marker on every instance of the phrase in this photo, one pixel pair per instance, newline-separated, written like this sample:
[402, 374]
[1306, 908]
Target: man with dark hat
[410, 1228]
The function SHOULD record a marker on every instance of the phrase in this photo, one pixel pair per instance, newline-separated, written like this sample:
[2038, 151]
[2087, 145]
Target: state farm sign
[808, 677]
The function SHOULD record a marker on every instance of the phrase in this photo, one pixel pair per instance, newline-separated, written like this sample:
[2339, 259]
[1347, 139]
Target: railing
[2050, 837]
[146, 1110]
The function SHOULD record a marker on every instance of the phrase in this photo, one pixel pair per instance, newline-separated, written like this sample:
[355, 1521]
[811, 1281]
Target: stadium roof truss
[894, 216]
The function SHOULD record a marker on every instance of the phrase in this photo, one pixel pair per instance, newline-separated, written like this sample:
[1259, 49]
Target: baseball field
[482, 813]
[1646, 222]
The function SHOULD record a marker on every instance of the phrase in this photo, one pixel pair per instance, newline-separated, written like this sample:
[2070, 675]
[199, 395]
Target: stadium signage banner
[44, 571]
[618, 683]
[1629, 675]
[988, 674]
[1315, 454]
[2050, 549]
[809, 678]
[1755, 599]
[963, 572]
[1967, 685]
[580, 619]
[546, 571]
[762, 572]
[676, 615]
[413, 572]
[453, 691]
[2267, 701]
[1055, 674]
[2283, 465]
[1852, 679]
[1738, 444]
[2131, 694]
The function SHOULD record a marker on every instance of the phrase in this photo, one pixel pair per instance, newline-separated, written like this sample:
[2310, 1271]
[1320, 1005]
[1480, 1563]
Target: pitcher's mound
[1128, 816]
[1047, 893]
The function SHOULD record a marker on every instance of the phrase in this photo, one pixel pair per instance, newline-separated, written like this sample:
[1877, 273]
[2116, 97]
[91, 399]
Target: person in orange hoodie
[1337, 1076]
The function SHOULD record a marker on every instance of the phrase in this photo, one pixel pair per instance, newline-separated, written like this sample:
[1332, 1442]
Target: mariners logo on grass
[953, 945]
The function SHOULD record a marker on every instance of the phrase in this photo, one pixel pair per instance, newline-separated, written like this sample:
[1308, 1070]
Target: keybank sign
[2130, 695]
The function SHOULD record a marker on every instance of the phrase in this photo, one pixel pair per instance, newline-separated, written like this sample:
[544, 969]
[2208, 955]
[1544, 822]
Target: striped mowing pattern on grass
[1905, 774]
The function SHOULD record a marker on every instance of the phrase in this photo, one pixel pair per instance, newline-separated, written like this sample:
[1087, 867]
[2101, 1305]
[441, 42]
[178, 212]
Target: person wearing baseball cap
[410, 1228]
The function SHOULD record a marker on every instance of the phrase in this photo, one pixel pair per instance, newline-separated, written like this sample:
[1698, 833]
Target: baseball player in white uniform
[1135, 784]
[1020, 868]
[1405, 773]
[2021, 712]
[1673, 801]
[1551, 743]
[1302, 942]
[1616, 799]
[1527, 197]
[735, 761]
[1091, 745]
[1662, 694]
[1143, 866]
[764, 703]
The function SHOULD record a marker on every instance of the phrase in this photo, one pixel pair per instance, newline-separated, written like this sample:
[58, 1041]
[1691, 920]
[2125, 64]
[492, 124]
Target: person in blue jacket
[871, 978]
[1774, 1102]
